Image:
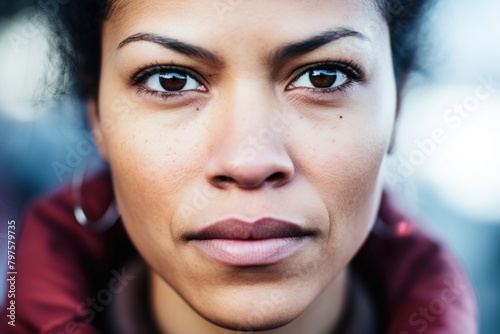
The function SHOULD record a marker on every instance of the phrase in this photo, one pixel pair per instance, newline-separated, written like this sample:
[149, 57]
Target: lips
[239, 243]
[240, 230]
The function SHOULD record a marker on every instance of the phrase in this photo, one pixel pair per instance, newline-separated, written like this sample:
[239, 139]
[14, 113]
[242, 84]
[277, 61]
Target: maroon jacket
[418, 287]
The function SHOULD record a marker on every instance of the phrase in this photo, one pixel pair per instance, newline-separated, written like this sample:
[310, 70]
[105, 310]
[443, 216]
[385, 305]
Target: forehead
[220, 18]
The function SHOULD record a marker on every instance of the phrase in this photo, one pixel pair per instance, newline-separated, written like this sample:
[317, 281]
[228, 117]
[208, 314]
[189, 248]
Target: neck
[174, 315]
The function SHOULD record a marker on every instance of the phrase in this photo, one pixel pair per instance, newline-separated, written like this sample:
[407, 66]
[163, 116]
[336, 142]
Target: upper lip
[235, 229]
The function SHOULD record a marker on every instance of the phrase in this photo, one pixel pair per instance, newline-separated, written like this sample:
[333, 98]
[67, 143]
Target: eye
[172, 81]
[321, 78]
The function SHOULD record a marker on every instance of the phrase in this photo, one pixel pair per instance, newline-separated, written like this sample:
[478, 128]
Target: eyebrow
[173, 44]
[284, 53]
[303, 47]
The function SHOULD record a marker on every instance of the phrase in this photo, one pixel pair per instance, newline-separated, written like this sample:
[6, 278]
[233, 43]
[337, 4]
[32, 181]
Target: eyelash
[145, 72]
[350, 68]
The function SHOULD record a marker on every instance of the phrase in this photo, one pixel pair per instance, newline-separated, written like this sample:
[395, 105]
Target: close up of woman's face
[246, 141]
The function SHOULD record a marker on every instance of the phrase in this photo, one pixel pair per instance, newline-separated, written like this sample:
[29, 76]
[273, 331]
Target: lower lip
[249, 252]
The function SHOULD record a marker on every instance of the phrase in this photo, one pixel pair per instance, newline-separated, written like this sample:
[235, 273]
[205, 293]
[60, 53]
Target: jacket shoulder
[57, 258]
[421, 286]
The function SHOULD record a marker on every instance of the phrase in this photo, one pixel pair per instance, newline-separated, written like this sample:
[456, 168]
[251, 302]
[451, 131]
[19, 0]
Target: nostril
[223, 179]
[275, 176]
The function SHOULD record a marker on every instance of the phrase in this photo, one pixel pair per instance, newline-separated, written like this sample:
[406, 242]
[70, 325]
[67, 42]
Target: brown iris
[323, 78]
[173, 81]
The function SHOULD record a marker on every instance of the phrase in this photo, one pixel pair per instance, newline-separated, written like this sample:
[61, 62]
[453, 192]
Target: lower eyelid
[154, 94]
[164, 96]
[322, 91]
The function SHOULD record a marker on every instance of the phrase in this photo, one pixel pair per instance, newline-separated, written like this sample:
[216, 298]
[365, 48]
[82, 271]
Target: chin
[254, 311]
[251, 322]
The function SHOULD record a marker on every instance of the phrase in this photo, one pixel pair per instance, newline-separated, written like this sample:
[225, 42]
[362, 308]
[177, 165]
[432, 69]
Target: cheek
[154, 162]
[349, 172]
[343, 162]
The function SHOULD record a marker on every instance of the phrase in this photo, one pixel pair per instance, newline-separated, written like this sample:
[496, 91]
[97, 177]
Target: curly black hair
[77, 28]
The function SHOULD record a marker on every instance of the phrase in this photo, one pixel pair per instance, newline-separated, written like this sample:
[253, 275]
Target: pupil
[173, 81]
[322, 78]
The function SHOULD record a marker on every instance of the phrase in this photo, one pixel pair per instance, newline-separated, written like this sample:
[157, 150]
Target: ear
[396, 119]
[400, 88]
[97, 128]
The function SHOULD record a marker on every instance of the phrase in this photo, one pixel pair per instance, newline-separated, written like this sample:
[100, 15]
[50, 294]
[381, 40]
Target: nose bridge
[247, 114]
[249, 111]
[248, 148]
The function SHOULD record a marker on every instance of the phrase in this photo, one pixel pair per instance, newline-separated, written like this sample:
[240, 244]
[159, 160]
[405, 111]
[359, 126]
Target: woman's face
[266, 122]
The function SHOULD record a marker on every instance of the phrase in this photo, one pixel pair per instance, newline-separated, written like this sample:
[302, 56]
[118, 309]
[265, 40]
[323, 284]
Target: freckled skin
[184, 162]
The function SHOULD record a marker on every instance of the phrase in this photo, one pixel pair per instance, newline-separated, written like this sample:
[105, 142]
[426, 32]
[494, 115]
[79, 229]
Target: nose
[248, 151]
[267, 167]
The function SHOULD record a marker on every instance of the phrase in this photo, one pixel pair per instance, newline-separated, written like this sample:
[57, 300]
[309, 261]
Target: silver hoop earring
[109, 217]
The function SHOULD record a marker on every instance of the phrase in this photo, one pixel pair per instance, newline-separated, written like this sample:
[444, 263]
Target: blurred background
[445, 167]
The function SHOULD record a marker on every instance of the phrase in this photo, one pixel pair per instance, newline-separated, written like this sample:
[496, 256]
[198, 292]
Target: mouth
[238, 243]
